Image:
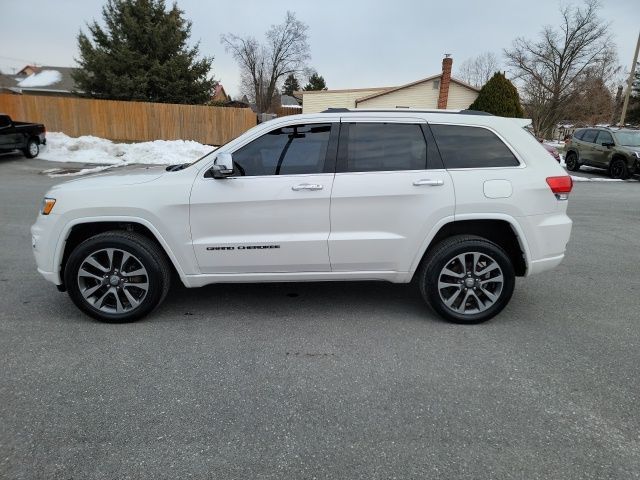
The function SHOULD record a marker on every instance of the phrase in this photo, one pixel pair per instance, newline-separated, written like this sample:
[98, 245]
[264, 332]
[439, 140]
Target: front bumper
[45, 234]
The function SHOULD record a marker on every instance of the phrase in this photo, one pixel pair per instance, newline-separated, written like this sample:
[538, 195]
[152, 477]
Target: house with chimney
[441, 91]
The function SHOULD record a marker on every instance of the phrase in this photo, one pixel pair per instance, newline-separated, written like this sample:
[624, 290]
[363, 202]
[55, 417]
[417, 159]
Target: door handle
[429, 182]
[306, 186]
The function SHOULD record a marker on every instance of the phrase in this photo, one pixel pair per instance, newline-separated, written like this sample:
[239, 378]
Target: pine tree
[142, 54]
[498, 96]
[316, 82]
[290, 85]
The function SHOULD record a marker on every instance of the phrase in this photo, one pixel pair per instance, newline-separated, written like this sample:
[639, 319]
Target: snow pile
[41, 79]
[88, 149]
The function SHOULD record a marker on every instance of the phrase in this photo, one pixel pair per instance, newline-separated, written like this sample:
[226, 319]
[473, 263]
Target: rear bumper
[545, 264]
[547, 236]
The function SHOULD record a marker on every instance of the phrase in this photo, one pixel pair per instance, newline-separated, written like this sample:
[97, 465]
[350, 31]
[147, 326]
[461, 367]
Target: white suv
[461, 202]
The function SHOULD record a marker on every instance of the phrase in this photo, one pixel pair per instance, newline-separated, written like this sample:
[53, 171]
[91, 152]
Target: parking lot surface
[327, 380]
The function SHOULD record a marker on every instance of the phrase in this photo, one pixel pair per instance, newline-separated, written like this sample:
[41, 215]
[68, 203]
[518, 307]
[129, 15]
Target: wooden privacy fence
[129, 121]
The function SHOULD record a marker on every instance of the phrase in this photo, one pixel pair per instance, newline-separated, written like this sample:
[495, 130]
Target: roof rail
[362, 110]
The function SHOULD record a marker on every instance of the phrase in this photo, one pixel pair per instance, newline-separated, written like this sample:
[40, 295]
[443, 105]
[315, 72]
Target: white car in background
[460, 201]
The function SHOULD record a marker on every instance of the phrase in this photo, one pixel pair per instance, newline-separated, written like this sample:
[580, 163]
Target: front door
[389, 192]
[272, 215]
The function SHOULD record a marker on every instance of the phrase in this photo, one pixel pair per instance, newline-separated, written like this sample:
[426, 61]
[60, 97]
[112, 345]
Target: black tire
[32, 149]
[144, 252]
[443, 255]
[618, 169]
[571, 161]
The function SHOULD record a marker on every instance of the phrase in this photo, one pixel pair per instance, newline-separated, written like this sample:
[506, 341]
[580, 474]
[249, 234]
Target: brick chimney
[445, 80]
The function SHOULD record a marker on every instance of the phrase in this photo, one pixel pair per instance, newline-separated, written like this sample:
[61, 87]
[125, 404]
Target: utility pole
[629, 83]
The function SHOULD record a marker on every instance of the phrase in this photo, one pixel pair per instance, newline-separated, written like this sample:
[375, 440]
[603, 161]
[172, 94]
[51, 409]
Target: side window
[604, 137]
[590, 136]
[378, 147]
[471, 147]
[296, 149]
[4, 121]
[579, 134]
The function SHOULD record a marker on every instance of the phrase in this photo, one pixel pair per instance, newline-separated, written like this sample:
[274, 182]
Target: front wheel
[117, 276]
[618, 169]
[467, 279]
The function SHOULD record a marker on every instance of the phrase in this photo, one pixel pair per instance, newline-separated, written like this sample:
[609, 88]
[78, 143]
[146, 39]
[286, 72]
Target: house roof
[417, 82]
[288, 100]
[46, 79]
[346, 90]
[379, 91]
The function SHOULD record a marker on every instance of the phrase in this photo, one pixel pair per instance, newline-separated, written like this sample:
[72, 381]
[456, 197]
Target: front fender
[175, 256]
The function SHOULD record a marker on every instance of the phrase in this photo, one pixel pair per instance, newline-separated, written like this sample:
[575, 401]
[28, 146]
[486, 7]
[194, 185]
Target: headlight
[637, 154]
[47, 205]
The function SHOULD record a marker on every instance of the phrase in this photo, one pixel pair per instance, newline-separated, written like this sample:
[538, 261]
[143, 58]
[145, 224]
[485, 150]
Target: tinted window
[590, 136]
[604, 137]
[374, 147]
[297, 149]
[579, 134]
[4, 121]
[471, 147]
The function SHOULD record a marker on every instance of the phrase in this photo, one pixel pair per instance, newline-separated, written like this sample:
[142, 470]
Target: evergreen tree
[316, 82]
[290, 85]
[142, 54]
[498, 96]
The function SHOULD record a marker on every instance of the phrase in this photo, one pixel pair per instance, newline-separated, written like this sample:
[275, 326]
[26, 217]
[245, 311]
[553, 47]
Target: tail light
[560, 186]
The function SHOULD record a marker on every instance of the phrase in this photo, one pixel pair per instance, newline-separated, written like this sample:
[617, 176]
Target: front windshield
[628, 138]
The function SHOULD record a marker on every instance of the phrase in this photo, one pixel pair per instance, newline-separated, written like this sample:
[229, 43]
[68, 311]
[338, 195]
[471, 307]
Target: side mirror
[223, 166]
[608, 144]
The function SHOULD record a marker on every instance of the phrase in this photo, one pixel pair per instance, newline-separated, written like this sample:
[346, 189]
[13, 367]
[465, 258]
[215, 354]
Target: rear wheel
[618, 169]
[117, 276]
[572, 162]
[467, 279]
[32, 149]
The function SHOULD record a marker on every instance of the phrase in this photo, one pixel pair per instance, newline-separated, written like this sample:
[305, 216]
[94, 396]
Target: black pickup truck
[26, 137]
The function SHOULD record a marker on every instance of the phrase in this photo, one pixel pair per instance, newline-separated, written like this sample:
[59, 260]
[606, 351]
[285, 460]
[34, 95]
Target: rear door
[588, 150]
[390, 189]
[273, 214]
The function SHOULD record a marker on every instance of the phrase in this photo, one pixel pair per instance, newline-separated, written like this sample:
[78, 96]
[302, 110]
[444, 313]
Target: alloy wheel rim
[470, 283]
[113, 280]
[33, 148]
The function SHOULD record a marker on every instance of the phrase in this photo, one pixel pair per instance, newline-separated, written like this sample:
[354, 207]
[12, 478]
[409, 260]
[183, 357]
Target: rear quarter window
[471, 147]
[589, 136]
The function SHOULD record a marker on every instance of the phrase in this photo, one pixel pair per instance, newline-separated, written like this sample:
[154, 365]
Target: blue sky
[354, 43]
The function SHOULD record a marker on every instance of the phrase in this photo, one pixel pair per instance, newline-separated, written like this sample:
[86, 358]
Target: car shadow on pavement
[295, 301]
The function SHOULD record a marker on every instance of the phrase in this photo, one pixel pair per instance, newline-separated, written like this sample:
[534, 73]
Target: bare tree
[478, 70]
[551, 70]
[263, 67]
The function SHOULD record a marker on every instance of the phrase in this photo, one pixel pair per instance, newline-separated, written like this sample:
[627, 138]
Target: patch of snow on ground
[41, 79]
[88, 149]
[594, 179]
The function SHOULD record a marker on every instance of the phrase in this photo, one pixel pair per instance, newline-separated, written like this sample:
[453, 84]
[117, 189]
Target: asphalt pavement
[327, 380]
